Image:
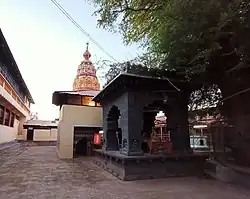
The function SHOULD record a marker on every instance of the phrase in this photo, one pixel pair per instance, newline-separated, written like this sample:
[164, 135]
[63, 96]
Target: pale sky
[48, 48]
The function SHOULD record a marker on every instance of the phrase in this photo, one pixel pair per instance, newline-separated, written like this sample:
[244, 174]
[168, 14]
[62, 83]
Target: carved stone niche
[124, 145]
[134, 145]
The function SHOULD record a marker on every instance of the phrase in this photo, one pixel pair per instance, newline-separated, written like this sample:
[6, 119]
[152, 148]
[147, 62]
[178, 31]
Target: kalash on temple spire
[86, 78]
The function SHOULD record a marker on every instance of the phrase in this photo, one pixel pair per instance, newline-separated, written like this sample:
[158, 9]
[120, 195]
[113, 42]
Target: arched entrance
[153, 133]
[114, 132]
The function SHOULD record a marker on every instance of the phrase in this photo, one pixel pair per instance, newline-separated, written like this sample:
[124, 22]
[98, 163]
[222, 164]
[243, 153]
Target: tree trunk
[237, 109]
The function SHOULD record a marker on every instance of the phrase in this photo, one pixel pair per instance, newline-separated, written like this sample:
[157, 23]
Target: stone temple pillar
[132, 124]
[105, 127]
[178, 123]
[183, 121]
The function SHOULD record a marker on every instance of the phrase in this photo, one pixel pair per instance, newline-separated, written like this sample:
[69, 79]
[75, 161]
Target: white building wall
[8, 134]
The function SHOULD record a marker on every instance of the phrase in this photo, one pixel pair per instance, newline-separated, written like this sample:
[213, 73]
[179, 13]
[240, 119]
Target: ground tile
[37, 173]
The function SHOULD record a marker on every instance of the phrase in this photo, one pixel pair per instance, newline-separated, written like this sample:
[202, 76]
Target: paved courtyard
[37, 173]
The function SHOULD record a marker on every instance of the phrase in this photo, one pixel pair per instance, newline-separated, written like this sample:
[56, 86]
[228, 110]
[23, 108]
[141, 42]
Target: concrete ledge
[228, 173]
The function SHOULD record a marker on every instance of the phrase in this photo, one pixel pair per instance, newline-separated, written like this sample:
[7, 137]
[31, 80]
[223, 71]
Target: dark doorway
[30, 133]
[83, 140]
[81, 147]
[114, 133]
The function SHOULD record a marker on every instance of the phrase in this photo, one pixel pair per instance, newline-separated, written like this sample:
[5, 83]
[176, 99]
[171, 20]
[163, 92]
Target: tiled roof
[41, 123]
[82, 93]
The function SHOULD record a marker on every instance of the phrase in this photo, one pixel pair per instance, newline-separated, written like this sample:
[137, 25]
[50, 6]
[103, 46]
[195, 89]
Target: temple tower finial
[86, 78]
[87, 54]
[87, 46]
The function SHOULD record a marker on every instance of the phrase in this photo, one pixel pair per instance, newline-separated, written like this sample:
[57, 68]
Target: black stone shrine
[128, 103]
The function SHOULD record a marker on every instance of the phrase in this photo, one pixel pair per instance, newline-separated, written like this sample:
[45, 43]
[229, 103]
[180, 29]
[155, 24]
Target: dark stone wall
[178, 123]
[130, 105]
[183, 120]
[121, 102]
[135, 123]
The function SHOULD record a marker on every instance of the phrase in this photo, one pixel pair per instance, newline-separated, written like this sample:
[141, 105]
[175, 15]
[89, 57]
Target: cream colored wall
[7, 133]
[40, 135]
[45, 135]
[71, 116]
[21, 135]
[65, 140]
[82, 115]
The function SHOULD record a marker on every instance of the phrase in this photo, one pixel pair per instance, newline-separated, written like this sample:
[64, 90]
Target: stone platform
[149, 166]
[229, 173]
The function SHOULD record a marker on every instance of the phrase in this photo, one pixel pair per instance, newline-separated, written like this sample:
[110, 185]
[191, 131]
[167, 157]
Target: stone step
[210, 166]
[210, 174]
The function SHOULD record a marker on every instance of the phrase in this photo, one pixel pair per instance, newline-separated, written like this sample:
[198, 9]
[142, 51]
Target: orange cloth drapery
[97, 138]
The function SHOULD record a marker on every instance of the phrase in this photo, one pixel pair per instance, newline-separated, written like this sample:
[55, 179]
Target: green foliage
[141, 65]
[133, 18]
[183, 34]
[206, 96]
[206, 40]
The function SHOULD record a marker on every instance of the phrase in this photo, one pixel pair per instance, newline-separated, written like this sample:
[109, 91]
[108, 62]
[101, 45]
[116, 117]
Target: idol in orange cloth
[97, 139]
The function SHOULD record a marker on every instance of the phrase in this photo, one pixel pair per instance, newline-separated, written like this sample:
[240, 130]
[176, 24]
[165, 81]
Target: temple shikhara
[80, 117]
[86, 79]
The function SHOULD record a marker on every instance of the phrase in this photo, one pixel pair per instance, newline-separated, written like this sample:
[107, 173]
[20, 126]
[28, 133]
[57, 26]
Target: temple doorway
[114, 132]
[84, 140]
[156, 133]
[81, 147]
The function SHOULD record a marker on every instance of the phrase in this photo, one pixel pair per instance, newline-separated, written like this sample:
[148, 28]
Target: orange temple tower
[80, 117]
[86, 79]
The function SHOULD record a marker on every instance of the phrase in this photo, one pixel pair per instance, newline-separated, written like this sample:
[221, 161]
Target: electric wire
[60, 7]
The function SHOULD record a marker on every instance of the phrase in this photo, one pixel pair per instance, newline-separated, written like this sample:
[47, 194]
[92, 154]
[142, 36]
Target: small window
[7, 118]
[12, 119]
[98, 104]
[17, 118]
[1, 114]
[201, 142]
[87, 101]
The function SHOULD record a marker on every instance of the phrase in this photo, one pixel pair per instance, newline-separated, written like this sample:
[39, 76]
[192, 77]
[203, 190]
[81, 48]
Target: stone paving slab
[37, 173]
[10, 150]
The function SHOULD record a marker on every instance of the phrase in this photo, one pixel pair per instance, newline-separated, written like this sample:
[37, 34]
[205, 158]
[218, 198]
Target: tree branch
[145, 8]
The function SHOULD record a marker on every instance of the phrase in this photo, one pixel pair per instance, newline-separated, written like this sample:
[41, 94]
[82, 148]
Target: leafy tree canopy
[204, 39]
[191, 35]
[207, 40]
